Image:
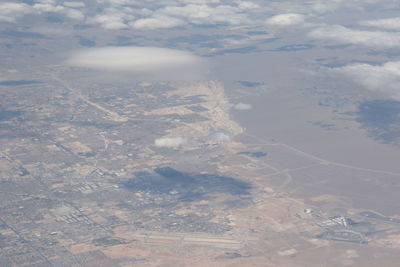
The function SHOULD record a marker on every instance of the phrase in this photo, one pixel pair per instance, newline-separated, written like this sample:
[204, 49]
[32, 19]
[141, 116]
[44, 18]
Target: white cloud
[287, 19]
[221, 137]
[132, 58]
[340, 34]
[242, 106]
[171, 142]
[157, 22]
[9, 11]
[147, 62]
[382, 78]
[388, 24]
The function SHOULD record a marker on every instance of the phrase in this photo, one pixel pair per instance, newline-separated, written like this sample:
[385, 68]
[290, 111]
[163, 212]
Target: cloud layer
[11, 11]
[142, 15]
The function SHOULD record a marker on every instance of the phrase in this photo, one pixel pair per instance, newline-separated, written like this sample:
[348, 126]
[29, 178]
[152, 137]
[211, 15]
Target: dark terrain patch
[209, 41]
[249, 83]
[240, 50]
[107, 241]
[197, 108]
[257, 32]
[270, 40]
[164, 190]
[185, 186]
[258, 154]
[9, 114]
[86, 42]
[342, 46]
[82, 26]
[54, 19]
[229, 255]
[21, 34]
[18, 82]
[381, 119]
[294, 47]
